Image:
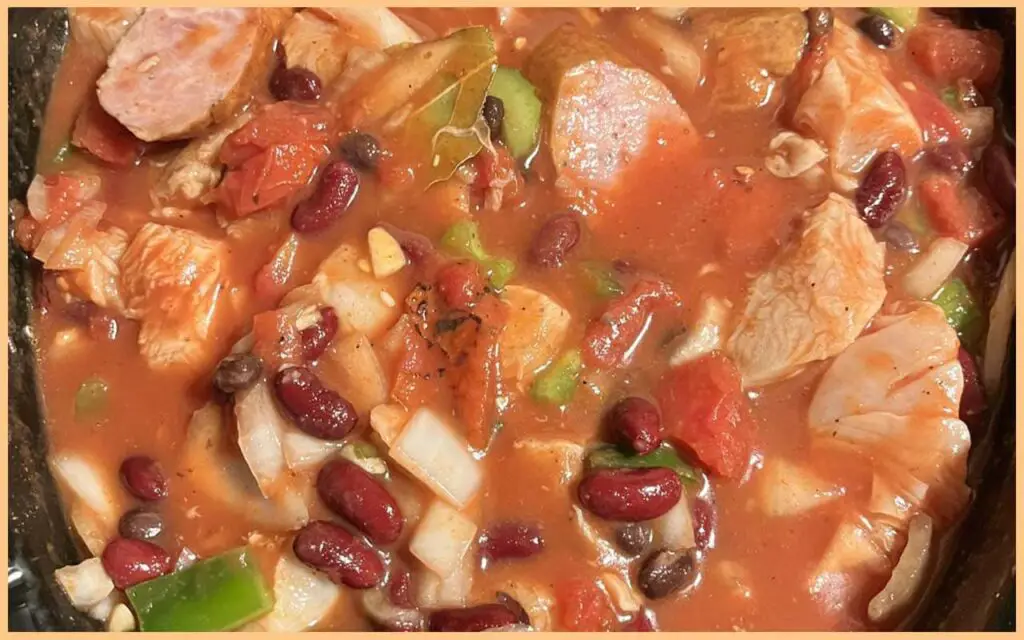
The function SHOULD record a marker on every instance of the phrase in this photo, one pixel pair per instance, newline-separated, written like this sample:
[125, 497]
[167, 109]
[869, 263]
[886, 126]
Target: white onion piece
[86, 584]
[705, 336]
[302, 597]
[302, 450]
[674, 529]
[513, 628]
[452, 591]
[387, 421]
[909, 573]
[535, 600]
[788, 489]
[353, 364]
[999, 325]
[435, 454]
[86, 483]
[624, 597]
[933, 267]
[380, 609]
[442, 538]
[121, 619]
[260, 427]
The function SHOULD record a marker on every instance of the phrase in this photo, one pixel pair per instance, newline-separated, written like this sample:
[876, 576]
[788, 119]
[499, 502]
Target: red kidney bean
[513, 605]
[511, 540]
[144, 478]
[554, 240]
[140, 524]
[400, 588]
[950, 158]
[882, 190]
[237, 372]
[478, 618]
[341, 556]
[997, 169]
[296, 83]
[703, 523]
[460, 284]
[333, 196]
[819, 21]
[128, 561]
[642, 620]
[636, 421]
[317, 338]
[630, 495]
[314, 408]
[666, 572]
[355, 495]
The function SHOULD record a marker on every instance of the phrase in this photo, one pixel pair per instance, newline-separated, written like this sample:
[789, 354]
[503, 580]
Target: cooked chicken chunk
[197, 168]
[172, 282]
[815, 300]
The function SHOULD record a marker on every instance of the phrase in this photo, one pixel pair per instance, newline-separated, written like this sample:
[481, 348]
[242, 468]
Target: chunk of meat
[814, 300]
[855, 109]
[704, 409]
[172, 281]
[197, 168]
[611, 339]
[604, 111]
[177, 71]
[99, 278]
[892, 398]
[98, 29]
[752, 51]
[273, 157]
[319, 39]
[534, 332]
[948, 54]
[100, 134]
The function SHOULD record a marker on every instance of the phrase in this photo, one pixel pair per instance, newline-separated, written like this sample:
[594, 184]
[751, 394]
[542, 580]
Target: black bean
[140, 524]
[295, 83]
[898, 236]
[494, 114]
[237, 372]
[878, 29]
[667, 572]
[819, 21]
[362, 150]
[634, 538]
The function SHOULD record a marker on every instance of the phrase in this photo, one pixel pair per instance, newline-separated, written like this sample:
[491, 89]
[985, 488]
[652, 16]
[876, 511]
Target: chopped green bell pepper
[961, 311]
[217, 594]
[612, 457]
[603, 279]
[557, 384]
[91, 398]
[903, 17]
[951, 97]
[520, 127]
[463, 239]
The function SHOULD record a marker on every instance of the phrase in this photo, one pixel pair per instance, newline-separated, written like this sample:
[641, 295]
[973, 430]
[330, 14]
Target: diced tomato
[460, 284]
[610, 339]
[418, 370]
[948, 54]
[103, 136]
[957, 211]
[476, 374]
[584, 606]
[274, 156]
[642, 620]
[498, 171]
[704, 409]
[937, 121]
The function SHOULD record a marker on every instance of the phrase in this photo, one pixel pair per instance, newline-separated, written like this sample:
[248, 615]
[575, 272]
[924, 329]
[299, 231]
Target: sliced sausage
[177, 71]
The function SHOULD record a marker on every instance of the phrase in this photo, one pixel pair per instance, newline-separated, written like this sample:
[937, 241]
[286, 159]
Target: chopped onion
[451, 591]
[86, 483]
[86, 584]
[434, 453]
[674, 529]
[909, 573]
[260, 427]
[380, 609]
[302, 597]
[352, 364]
[999, 325]
[537, 602]
[354, 294]
[387, 421]
[121, 619]
[564, 456]
[704, 337]
[442, 538]
[933, 267]
[624, 597]
[513, 628]
[103, 609]
[788, 489]
[94, 530]
[302, 450]
[607, 556]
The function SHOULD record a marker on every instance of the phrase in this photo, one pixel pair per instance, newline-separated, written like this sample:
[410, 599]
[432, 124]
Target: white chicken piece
[172, 280]
[99, 280]
[319, 39]
[534, 332]
[359, 299]
[197, 168]
[815, 299]
[789, 488]
[95, 502]
[855, 110]
[892, 397]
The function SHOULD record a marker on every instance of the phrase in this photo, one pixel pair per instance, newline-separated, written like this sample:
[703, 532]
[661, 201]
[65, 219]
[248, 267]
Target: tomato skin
[273, 157]
[609, 338]
[704, 409]
[947, 54]
[956, 213]
[584, 606]
[476, 377]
